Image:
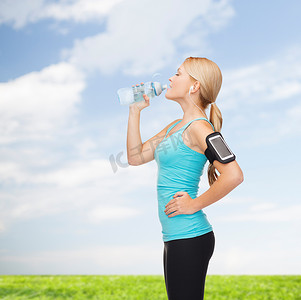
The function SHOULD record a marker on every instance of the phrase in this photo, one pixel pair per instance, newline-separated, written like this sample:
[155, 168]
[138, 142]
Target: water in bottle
[134, 94]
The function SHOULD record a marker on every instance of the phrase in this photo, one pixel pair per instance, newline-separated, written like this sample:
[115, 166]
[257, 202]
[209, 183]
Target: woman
[179, 152]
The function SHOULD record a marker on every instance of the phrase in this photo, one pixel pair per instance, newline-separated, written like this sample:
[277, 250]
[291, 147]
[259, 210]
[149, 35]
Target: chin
[170, 97]
[167, 96]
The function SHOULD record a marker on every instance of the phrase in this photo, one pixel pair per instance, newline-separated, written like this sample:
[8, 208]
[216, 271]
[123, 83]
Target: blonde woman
[179, 150]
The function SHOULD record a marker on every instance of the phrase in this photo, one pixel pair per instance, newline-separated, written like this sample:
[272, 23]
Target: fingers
[171, 202]
[179, 194]
[173, 214]
[146, 98]
[170, 209]
[174, 207]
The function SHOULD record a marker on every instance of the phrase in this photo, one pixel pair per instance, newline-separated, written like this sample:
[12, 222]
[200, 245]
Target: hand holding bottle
[136, 94]
[141, 104]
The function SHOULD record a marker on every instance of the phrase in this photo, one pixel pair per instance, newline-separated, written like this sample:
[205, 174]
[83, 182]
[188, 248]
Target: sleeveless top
[179, 169]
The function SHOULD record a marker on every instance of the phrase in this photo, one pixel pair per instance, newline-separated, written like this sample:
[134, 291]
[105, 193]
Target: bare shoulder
[198, 131]
[199, 127]
[170, 124]
[176, 121]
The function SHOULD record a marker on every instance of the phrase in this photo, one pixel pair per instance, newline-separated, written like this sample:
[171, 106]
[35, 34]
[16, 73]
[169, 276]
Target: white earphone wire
[194, 103]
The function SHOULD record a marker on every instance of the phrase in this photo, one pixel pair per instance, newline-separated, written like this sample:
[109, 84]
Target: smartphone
[218, 146]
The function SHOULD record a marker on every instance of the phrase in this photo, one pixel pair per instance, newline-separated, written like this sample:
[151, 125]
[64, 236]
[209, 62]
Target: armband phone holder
[217, 149]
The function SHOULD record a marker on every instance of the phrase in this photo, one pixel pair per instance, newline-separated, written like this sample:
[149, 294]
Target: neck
[191, 111]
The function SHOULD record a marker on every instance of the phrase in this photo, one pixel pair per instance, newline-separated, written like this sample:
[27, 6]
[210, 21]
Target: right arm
[139, 153]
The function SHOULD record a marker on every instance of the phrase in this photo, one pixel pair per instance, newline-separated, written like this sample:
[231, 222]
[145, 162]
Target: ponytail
[217, 121]
[210, 77]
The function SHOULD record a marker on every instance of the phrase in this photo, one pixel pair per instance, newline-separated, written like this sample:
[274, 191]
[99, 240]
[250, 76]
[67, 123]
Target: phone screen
[221, 147]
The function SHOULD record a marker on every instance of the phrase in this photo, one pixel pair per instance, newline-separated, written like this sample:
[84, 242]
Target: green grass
[145, 287]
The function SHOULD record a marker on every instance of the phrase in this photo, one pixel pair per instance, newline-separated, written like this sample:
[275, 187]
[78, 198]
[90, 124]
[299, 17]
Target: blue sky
[63, 209]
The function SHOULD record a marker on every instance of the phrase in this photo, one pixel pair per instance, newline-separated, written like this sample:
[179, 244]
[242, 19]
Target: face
[179, 85]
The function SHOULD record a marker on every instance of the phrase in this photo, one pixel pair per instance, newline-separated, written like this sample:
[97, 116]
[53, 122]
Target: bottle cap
[158, 87]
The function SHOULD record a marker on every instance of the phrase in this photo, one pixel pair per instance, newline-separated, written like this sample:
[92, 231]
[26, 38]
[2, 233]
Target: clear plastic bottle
[128, 96]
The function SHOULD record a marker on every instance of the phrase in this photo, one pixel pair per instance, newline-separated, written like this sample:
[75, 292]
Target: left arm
[230, 177]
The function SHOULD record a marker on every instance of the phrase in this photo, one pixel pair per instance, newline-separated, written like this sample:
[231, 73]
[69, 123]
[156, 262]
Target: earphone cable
[197, 105]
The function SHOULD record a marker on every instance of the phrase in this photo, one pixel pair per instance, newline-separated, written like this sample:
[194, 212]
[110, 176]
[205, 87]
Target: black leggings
[185, 266]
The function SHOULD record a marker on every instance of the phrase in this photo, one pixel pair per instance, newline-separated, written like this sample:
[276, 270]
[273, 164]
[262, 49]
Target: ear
[195, 87]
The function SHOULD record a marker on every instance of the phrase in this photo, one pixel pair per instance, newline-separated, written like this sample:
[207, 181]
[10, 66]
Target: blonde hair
[210, 78]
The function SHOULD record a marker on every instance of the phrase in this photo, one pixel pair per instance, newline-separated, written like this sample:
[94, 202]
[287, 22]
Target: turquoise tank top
[179, 169]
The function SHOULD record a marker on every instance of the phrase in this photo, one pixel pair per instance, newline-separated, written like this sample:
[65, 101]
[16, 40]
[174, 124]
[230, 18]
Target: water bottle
[128, 96]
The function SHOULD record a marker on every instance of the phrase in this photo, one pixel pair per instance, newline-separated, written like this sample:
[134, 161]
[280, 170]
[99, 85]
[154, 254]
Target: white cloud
[11, 171]
[263, 206]
[238, 259]
[290, 125]
[143, 36]
[252, 95]
[37, 103]
[277, 79]
[81, 186]
[19, 13]
[147, 259]
[117, 259]
[76, 173]
[79, 10]
[2, 228]
[266, 213]
[104, 213]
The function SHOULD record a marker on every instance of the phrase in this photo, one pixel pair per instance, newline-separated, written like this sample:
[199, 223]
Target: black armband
[217, 149]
